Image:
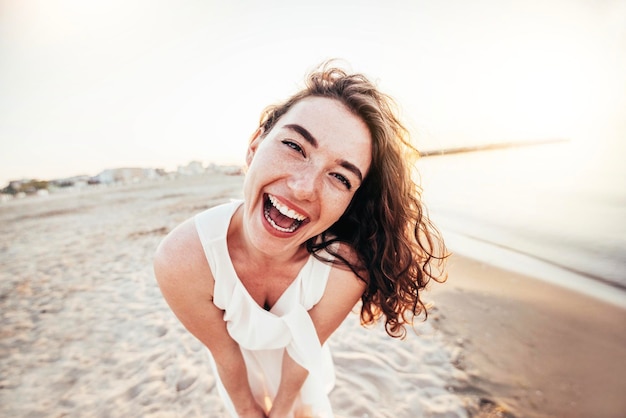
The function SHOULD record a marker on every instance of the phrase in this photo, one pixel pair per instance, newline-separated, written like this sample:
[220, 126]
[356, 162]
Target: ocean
[553, 211]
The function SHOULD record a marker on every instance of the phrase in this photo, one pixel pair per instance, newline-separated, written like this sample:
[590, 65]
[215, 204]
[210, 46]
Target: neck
[239, 242]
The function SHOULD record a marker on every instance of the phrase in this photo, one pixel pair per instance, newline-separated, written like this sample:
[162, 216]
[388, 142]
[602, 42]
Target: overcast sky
[86, 86]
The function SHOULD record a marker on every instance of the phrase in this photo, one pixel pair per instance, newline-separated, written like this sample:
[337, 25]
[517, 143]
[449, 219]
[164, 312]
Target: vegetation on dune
[28, 187]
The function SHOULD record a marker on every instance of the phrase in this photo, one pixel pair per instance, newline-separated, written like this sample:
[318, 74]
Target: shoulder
[346, 275]
[346, 272]
[186, 282]
[180, 263]
[349, 260]
[343, 290]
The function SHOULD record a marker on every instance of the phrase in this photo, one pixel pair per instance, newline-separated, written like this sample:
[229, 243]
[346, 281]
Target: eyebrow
[304, 133]
[311, 140]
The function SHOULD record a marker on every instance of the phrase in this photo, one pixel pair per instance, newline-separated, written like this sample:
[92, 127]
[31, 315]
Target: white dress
[263, 336]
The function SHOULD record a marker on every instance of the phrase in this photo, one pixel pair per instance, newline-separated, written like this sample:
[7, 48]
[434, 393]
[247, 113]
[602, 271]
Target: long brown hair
[386, 223]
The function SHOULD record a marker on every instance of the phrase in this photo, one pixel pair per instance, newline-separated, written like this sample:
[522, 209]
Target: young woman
[330, 215]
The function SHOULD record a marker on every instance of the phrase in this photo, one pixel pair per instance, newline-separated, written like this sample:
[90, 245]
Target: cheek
[260, 166]
[270, 158]
[336, 206]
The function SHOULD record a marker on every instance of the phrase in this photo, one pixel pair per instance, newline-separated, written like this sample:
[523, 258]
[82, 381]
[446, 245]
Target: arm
[291, 381]
[187, 284]
[342, 292]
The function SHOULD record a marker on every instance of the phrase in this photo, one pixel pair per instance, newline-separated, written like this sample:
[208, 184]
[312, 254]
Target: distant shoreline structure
[490, 147]
[122, 175]
[33, 186]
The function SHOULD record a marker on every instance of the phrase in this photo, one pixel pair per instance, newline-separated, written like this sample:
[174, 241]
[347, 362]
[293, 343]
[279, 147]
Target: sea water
[553, 211]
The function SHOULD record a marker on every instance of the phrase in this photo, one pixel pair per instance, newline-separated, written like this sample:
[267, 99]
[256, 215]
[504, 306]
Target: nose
[304, 184]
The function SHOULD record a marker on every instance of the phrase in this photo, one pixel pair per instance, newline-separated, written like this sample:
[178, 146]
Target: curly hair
[399, 249]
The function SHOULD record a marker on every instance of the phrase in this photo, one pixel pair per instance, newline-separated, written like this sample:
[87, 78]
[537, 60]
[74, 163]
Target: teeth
[285, 210]
[277, 227]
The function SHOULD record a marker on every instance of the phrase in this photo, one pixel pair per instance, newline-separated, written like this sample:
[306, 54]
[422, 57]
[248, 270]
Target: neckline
[247, 294]
[238, 282]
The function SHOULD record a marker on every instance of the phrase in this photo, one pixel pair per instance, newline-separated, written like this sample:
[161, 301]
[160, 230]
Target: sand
[537, 349]
[86, 333]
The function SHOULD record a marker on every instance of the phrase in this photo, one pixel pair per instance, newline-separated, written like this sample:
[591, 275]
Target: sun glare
[188, 82]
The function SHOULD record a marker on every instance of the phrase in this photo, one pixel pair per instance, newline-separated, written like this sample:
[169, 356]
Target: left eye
[343, 180]
[293, 146]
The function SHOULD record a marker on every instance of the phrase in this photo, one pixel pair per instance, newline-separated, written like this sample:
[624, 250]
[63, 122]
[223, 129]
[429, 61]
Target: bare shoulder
[186, 281]
[350, 255]
[346, 274]
[343, 290]
[342, 276]
[180, 265]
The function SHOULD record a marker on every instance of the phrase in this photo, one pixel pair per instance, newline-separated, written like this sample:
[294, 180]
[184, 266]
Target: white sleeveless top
[263, 336]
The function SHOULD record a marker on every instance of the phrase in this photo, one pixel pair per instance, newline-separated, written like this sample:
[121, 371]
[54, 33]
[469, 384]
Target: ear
[253, 144]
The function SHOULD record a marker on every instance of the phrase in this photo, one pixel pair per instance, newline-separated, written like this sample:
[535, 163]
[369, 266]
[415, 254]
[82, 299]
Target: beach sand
[537, 349]
[86, 333]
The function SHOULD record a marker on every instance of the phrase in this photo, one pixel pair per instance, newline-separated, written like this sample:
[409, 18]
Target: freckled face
[303, 174]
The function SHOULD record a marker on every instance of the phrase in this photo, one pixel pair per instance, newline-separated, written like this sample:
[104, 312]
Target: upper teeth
[285, 210]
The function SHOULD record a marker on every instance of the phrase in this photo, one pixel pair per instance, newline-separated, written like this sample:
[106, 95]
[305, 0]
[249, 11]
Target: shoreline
[533, 348]
[516, 261]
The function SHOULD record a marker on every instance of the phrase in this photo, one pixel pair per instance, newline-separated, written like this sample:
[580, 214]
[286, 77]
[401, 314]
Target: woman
[330, 215]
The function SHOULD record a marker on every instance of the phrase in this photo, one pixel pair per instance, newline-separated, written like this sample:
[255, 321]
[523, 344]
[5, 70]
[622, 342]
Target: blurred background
[89, 86]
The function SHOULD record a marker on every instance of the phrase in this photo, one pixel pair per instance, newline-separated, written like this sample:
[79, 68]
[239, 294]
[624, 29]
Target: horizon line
[489, 147]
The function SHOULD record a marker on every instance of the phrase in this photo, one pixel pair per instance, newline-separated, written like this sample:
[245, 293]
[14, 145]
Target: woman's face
[302, 175]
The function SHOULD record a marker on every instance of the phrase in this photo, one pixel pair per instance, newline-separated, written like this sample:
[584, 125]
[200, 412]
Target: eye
[343, 180]
[293, 146]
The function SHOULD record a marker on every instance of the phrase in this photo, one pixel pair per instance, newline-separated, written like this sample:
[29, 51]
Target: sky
[86, 86]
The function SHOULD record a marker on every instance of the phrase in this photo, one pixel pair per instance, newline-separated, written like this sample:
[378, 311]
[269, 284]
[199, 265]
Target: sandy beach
[86, 333]
[536, 349]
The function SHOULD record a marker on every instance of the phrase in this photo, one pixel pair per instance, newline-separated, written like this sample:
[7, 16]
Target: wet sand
[537, 349]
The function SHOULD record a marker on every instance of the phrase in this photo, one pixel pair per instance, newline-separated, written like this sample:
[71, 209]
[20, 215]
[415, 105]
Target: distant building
[193, 168]
[125, 175]
[16, 185]
[76, 181]
[231, 170]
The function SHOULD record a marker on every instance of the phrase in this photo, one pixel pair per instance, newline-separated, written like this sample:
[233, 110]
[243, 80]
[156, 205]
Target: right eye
[294, 146]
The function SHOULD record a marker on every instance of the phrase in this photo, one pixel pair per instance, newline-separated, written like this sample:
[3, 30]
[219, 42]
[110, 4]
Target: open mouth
[281, 217]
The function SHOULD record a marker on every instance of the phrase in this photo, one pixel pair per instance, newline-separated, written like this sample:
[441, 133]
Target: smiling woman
[302, 164]
[330, 215]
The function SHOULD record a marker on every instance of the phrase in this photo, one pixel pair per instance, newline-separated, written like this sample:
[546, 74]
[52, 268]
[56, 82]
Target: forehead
[333, 125]
[317, 109]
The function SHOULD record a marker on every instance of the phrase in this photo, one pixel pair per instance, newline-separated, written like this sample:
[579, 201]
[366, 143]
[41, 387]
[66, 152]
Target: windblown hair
[399, 250]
